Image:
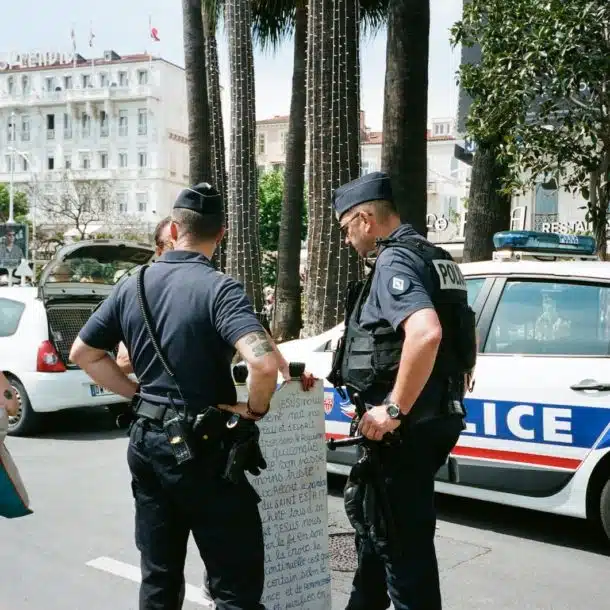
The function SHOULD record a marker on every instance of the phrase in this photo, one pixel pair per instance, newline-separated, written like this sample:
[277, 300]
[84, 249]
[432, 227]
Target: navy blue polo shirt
[198, 313]
[401, 284]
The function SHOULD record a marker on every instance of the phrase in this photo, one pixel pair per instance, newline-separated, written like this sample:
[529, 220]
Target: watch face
[393, 410]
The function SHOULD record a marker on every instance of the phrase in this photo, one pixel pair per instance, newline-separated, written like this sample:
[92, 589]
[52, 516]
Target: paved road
[490, 556]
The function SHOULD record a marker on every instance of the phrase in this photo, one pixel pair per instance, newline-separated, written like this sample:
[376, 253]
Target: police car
[538, 418]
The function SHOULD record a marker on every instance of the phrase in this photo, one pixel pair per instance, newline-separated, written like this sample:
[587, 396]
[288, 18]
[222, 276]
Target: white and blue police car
[538, 418]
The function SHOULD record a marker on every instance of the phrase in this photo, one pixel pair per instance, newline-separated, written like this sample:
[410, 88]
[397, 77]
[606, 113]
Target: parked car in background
[39, 324]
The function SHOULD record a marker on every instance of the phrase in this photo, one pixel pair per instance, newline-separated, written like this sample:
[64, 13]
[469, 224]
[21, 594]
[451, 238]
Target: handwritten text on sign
[294, 507]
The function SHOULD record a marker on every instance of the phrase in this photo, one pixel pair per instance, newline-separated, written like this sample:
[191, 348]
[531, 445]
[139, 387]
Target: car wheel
[26, 421]
[604, 509]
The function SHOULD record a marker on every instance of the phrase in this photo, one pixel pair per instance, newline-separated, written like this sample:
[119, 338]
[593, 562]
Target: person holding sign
[408, 345]
[192, 442]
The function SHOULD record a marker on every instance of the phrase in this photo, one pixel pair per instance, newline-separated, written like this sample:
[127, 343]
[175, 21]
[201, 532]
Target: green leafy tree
[20, 204]
[544, 87]
[270, 193]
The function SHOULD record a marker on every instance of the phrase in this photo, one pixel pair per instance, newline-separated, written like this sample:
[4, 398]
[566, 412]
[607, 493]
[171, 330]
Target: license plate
[97, 390]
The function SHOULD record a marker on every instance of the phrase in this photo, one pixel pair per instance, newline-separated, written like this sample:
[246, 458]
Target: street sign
[13, 245]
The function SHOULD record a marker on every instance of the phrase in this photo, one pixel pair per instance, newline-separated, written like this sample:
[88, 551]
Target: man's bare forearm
[258, 352]
[106, 373]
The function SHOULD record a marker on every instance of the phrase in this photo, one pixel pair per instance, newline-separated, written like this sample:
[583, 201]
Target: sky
[122, 25]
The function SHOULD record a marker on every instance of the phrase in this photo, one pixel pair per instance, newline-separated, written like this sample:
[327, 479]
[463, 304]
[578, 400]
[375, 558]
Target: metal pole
[11, 195]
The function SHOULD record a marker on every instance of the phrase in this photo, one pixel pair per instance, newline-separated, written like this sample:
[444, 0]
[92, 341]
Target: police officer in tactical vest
[191, 442]
[409, 343]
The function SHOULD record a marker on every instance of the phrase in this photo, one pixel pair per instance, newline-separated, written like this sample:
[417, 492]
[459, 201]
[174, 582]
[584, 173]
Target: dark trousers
[173, 501]
[411, 580]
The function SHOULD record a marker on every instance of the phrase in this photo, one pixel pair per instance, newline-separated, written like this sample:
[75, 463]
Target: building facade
[115, 118]
[448, 179]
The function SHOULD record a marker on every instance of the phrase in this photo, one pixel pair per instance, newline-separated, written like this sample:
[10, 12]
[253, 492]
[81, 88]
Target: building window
[67, 126]
[25, 164]
[123, 118]
[121, 199]
[103, 79]
[9, 163]
[50, 126]
[67, 161]
[50, 162]
[25, 85]
[142, 121]
[261, 143]
[103, 160]
[25, 128]
[441, 129]
[123, 159]
[11, 127]
[142, 77]
[123, 82]
[283, 141]
[142, 201]
[104, 130]
[10, 85]
[85, 162]
[142, 159]
[86, 125]
[67, 82]
[86, 81]
[364, 168]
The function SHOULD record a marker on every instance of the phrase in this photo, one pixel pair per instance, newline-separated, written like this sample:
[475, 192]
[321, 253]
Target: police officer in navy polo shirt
[409, 344]
[197, 317]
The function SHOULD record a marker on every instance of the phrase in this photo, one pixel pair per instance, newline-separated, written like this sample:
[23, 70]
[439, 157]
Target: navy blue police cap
[202, 198]
[375, 186]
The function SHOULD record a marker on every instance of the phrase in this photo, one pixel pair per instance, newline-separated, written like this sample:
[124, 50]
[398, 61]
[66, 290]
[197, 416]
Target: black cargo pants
[171, 501]
[412, 580]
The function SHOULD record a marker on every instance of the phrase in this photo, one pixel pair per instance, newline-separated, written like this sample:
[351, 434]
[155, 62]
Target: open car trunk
[78, 279]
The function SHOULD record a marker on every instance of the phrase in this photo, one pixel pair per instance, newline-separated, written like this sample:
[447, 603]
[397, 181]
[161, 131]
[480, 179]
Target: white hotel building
[116, 118]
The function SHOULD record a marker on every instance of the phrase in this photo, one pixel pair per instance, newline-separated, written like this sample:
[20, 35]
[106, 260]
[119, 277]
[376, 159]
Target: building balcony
[63, 96]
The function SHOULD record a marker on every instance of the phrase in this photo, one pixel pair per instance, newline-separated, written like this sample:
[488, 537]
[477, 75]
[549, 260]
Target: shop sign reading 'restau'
[34, 59]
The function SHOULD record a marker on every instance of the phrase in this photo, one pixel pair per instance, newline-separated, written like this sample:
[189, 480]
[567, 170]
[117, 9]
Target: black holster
[368, 506]
[235, 438]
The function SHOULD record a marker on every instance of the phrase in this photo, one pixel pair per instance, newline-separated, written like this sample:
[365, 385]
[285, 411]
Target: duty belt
[155, 412]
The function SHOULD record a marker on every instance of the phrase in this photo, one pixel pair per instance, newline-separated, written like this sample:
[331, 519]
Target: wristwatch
[393, 411]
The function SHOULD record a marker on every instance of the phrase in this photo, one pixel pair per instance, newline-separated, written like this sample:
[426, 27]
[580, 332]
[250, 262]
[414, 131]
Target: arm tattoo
[259, 343]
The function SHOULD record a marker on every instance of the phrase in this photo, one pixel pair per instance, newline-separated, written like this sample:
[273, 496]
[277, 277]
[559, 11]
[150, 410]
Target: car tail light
[48, 361]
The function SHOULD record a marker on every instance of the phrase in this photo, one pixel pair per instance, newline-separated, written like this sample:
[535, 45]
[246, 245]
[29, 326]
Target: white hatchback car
[39, 324]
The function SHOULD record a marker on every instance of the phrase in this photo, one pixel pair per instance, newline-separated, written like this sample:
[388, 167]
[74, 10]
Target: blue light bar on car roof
[545, 243]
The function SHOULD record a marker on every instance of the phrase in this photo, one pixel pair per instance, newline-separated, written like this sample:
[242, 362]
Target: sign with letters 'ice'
[294, 507]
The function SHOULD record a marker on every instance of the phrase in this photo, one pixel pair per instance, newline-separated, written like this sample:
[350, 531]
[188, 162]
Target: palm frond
[273, 22]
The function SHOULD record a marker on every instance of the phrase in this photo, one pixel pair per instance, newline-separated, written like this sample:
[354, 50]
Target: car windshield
[98, 265]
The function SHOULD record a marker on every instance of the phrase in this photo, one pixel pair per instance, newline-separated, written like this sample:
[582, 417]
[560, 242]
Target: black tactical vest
[367, 359]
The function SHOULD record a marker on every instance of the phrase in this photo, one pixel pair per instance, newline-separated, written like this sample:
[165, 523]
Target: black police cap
[375, 186]
[202, 198]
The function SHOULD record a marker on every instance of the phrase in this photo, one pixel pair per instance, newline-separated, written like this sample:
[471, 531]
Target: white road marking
[126, 570]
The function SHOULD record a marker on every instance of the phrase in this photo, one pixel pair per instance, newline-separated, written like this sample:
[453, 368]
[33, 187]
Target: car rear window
[10, 314]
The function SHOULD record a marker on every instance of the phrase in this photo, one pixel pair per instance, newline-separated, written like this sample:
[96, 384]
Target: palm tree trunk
[216, 125]
[243, 257]
[488, 207]
[333, 89]
[196, 92]
[405, 113]
[287, 312]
